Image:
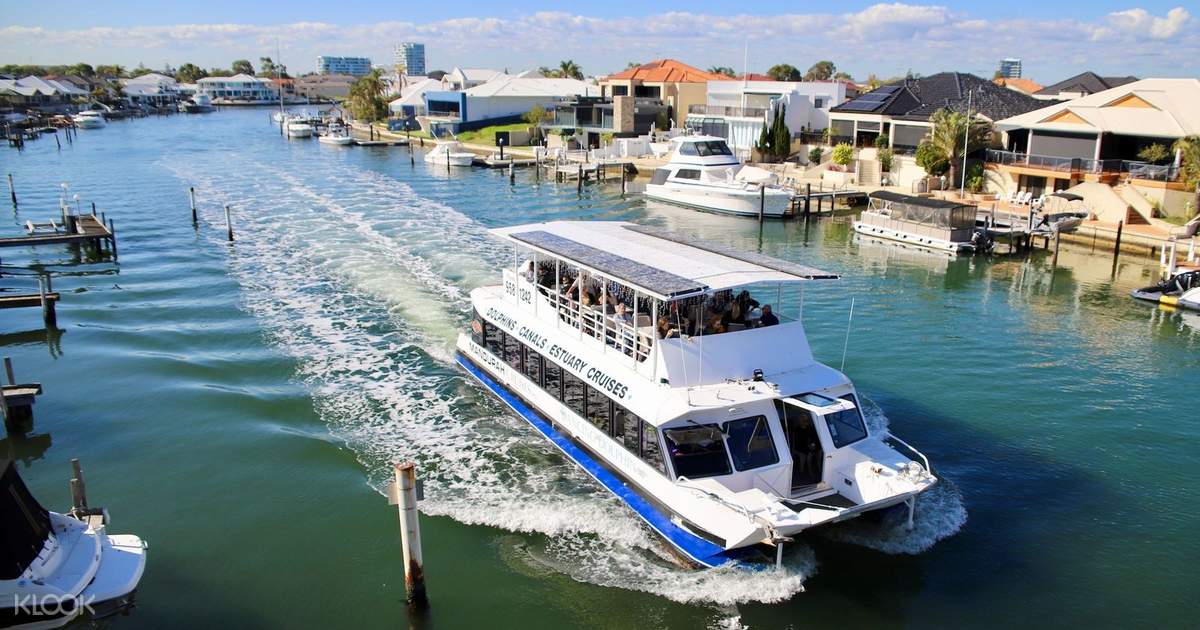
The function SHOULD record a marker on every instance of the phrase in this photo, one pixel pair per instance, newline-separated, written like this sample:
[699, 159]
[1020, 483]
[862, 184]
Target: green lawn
[487, 135]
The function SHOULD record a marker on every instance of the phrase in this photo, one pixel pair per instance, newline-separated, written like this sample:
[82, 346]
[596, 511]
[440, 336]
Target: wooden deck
[88, 229]
[27, 300]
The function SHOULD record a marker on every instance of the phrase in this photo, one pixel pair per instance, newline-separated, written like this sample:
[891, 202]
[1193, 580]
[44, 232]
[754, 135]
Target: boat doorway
[804, 445]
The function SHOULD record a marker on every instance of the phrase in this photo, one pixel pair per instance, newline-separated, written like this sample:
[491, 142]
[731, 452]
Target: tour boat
[1181, 290]
[54, 567]
[450, 151]
[298, 129]
[653, 361]
[89, 119]
[703, 173]
[934, 223]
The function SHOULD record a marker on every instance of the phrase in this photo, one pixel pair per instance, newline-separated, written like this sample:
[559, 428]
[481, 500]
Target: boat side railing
[754, 518]
[888, 436]
[592, 322]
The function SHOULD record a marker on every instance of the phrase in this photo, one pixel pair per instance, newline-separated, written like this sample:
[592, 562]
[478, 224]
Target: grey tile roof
[1085, 82]
[917, 99]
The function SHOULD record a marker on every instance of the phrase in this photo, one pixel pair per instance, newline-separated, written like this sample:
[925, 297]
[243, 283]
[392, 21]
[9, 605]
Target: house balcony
[1107, 170]
[730, 112]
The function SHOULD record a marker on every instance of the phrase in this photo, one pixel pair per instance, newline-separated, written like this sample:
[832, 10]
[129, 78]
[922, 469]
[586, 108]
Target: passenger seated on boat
[526, 270]
[623, 316]
[715, 326]
[665, 330]
[768, 318]
[745, 302]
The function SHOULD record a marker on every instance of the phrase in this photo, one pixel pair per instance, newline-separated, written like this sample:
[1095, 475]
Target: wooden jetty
[494, 161]
[16, 399]
[806, 201]
[78, 229]
[45, 298]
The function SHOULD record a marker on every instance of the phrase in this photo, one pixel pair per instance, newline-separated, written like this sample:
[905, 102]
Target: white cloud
[1142, 22]
[885, 38]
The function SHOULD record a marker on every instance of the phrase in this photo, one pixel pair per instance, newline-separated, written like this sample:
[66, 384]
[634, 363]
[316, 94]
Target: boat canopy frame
[924, 210]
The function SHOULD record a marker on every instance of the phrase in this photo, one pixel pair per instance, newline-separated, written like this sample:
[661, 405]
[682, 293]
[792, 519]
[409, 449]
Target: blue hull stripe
[694, 547]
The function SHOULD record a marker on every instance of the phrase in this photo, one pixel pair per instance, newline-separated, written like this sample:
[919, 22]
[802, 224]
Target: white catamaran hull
[777, 204]
[913, 238]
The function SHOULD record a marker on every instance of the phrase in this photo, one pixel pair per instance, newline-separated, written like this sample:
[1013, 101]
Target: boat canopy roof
[661, 263]
[926, 210]
[1066, 195]
[24, 524]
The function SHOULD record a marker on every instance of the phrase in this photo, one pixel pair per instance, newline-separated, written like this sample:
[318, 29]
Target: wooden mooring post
[404, 492]
[12, 191]
[228, 223]
[192, 197]
[624, 179]
[762, 202]
[79, 504]
[49, 316]
[579, 180]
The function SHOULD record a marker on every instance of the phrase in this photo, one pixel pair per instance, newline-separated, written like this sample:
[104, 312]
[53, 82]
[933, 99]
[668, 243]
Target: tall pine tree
[782, 136]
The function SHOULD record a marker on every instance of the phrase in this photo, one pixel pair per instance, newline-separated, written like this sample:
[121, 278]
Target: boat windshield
[704, 148]
[845, 422]
[697, 451]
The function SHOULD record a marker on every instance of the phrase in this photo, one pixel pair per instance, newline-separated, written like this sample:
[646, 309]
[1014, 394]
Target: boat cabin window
[598, 411]
[687, 173]
[688, 148]
[846, 426]
[750, 443]
[714, 147]
[697, 451]
[573, 393]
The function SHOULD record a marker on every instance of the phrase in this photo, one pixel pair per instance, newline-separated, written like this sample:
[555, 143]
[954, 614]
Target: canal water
[240, 405]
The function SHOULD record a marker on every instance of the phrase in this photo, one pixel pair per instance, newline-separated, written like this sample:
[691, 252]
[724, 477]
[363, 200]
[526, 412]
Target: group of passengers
[716, 313]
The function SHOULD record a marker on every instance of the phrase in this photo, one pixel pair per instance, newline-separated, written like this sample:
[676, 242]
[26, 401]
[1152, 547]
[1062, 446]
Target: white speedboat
[684, 395]
[298, 129]
[200, 104]
[703, 173]
[450, 151]
[336, 136]
[1181, 290]
[56, 567]
[89, 119]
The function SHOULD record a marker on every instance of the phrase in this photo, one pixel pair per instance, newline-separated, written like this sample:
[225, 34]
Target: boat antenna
[279, 79]
[846, 343]
[962, 190]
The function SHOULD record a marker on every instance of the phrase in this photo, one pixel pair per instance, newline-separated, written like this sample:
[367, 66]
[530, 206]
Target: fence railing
[1135, 169]
[722, 110]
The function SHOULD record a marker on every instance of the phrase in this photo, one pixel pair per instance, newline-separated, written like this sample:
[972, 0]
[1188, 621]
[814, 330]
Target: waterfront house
[44, 94]
[316, 87]
[151, 90]
[502, 100]
[675, 83]
[1024, 86]
[590, 118]
[1096, 139]
[239, 89]
[1080, 85]
[410, 101]
[737, 109]
[466, 78]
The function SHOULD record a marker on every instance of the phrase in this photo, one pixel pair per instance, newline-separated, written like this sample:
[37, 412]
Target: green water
[237, 405]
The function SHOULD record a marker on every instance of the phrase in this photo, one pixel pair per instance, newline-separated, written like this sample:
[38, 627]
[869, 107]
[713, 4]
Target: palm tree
[1189, 164]
[946, 135]
[366, 97]
[568, 69]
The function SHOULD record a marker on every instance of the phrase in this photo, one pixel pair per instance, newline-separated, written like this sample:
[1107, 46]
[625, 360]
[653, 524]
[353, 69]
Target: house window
[819, 102]
[620, 90]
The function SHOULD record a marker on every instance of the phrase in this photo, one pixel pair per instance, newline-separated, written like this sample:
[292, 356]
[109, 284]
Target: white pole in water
[410, 532]
[962, 191]
[846, 344]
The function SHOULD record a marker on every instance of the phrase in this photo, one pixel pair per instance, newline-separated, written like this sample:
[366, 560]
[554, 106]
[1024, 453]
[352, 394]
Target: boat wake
[366, 289]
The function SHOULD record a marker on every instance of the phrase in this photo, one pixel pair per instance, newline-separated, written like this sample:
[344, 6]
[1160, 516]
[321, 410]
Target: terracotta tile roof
[1025, 86]
[668, 71]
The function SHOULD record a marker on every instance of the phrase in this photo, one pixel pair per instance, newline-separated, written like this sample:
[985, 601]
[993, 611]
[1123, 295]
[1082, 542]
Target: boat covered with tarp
[935, 223]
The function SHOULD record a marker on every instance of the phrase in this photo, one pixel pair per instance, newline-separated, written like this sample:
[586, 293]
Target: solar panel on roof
[635, 273]
[859, 106]
[769, 262]
[887, 89]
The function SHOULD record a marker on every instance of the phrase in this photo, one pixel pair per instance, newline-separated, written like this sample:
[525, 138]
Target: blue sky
[1147, 38]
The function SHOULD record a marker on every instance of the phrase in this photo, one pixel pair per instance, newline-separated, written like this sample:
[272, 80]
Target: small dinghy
[1182, 290]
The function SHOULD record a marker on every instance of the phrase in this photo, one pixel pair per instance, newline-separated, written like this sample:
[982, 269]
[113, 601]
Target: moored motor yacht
[89, 119]
[54, 567]
[297, 128]
[451, 152]
[703, 173]
[199, 104]
[654, 362]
